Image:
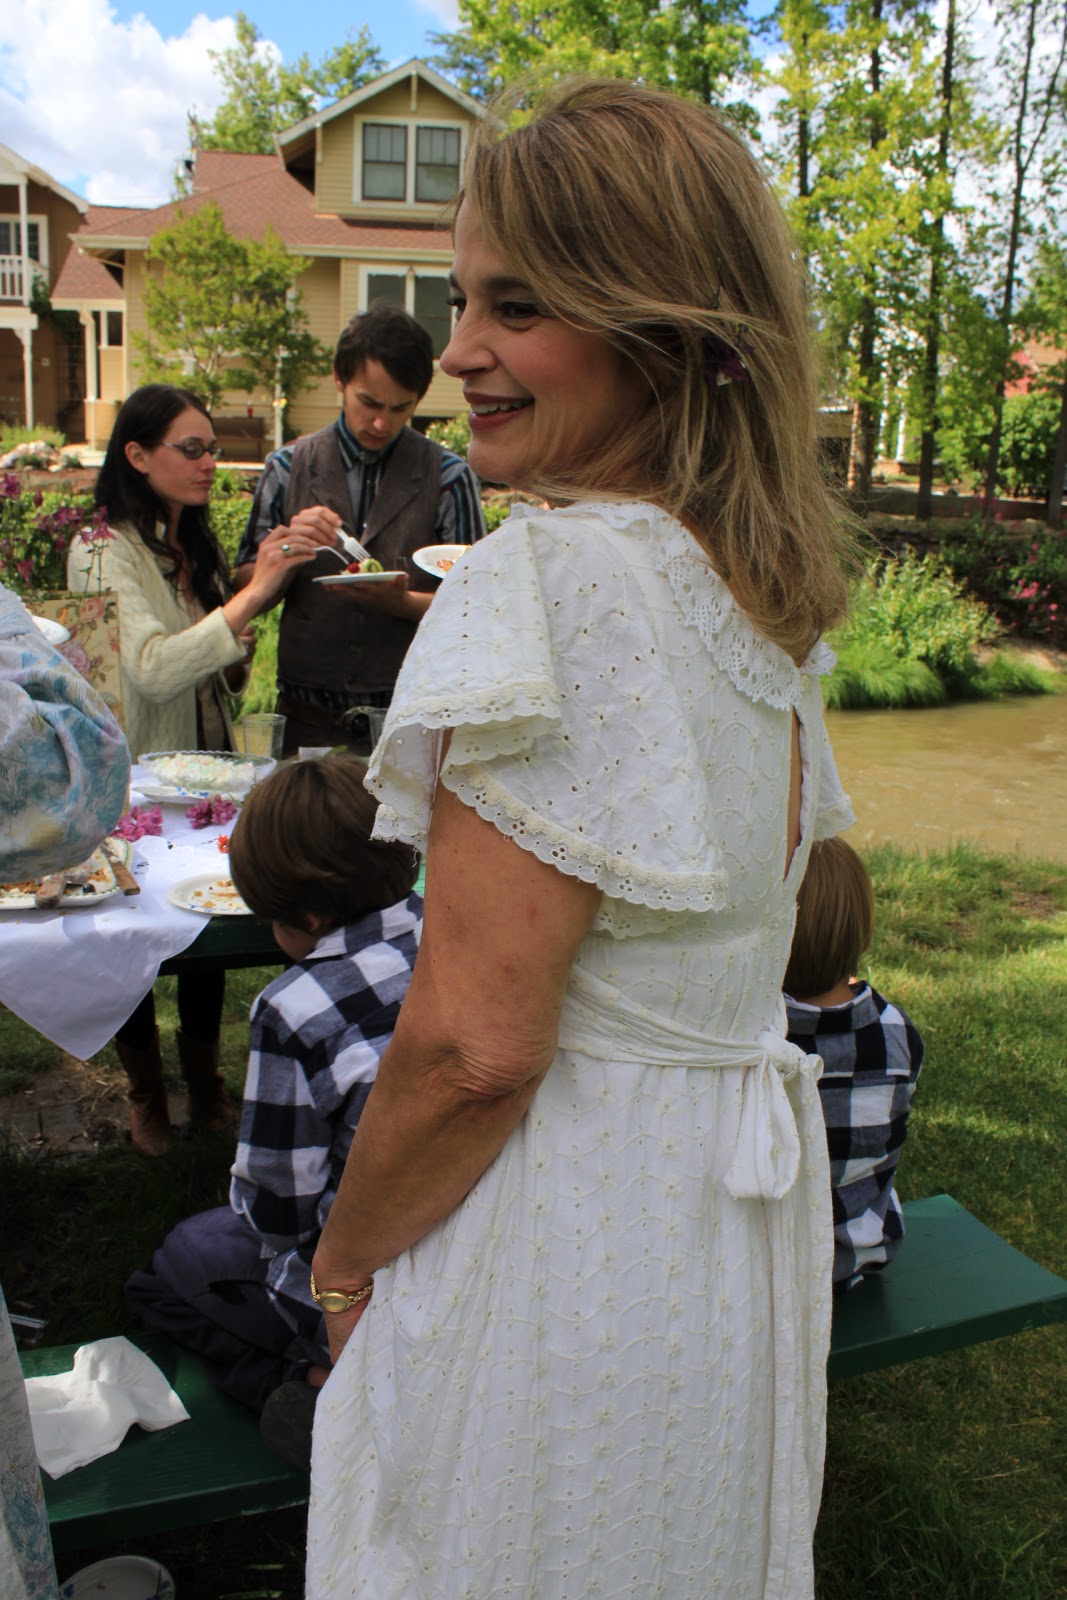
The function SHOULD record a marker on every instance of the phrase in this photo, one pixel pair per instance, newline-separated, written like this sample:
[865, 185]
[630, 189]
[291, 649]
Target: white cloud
[445, 13]
[101, 104]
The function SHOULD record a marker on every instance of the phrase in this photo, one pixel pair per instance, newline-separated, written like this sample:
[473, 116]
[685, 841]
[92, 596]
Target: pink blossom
[216, 811]
[92, 607]
[10, 487]
[138, 821]
[24, 569]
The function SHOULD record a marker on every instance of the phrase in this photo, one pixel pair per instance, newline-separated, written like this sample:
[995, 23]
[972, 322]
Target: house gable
[391, 151]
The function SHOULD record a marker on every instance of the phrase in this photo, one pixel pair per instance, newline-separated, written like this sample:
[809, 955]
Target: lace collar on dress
[755, 666]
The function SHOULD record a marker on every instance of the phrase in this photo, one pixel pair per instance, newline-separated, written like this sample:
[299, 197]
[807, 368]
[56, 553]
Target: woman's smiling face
[542, 394]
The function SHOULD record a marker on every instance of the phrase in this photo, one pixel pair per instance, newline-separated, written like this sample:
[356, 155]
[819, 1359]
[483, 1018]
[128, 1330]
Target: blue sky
[97, 93]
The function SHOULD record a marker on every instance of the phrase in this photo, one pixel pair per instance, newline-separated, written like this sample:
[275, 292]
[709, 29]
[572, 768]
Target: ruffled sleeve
[577, 691]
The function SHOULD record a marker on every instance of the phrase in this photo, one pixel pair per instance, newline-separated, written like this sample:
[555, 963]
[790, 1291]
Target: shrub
[1028, 442]
[1019, 570]
[36, 531]
[495, 512]
[12, 434]
[454, 434]
[917, 607]
[228, 511]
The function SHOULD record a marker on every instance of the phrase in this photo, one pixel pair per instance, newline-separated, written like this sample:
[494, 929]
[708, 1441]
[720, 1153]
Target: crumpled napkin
[81, 1415]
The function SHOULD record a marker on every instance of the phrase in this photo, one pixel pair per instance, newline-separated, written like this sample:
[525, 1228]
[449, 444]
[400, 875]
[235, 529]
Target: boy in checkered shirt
[233, 1285]
[871, 1055]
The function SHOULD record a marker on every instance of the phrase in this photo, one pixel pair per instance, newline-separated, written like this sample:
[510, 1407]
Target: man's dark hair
[390, 336]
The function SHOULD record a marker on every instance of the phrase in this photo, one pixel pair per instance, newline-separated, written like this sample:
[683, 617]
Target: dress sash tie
[602, 1022]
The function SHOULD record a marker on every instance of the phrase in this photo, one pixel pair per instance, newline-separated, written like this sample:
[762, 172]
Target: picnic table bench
[954, 1283]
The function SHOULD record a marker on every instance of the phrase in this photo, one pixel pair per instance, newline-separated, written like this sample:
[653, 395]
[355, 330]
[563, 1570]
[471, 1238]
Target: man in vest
[396, 491]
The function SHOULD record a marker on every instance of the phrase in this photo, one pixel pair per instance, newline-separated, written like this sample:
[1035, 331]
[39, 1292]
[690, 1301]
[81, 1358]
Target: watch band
[337, 1300]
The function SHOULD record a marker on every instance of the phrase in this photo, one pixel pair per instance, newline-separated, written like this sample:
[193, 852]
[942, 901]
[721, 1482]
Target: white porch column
[26, 335]
[92, 376]
[27, 286]
[24, 236]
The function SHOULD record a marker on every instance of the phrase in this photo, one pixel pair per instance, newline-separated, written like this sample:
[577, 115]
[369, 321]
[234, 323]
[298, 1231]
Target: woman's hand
[339, 1325]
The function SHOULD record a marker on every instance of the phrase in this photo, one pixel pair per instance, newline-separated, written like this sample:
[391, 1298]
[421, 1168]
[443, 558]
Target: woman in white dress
[577, 1276]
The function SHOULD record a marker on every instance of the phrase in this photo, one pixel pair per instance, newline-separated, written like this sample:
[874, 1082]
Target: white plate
[100, 887]
[54, 632]
[232, 774]
[428, 557]
[120, 1578]
[358, 577]
[211, 893]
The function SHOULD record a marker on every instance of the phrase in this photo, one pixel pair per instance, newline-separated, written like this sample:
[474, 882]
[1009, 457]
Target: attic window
[385, 161]
[436, 163]
[406, 161]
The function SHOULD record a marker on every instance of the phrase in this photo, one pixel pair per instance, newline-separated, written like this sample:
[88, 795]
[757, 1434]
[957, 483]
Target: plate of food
[210, 894]
[87, 883]
[437, 559]
[200, 774]
[356, 573]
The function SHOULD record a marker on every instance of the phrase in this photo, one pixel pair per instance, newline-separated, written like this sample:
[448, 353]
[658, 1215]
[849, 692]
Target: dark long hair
[128, 497]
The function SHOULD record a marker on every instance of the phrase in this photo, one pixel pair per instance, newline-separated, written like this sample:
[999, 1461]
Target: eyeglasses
[193, 449]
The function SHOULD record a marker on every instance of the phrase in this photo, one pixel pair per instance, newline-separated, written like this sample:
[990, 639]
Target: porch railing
[11, 279]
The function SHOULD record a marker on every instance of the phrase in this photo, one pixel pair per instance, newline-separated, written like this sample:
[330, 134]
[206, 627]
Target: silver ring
[285, 549]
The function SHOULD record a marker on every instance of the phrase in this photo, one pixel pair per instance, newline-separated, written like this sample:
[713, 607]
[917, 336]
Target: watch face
[333, 1300]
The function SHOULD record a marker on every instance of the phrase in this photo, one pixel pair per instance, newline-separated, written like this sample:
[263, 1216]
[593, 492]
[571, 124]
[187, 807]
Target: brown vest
[324, 641]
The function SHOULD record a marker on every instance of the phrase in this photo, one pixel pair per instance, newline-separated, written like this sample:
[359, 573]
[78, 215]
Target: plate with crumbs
[210, 894]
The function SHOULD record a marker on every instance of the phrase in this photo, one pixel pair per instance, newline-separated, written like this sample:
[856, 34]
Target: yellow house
[359, 188]
[40, 377]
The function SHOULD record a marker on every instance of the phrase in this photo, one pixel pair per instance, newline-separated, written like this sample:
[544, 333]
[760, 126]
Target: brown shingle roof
[253, 191]
[82, 277]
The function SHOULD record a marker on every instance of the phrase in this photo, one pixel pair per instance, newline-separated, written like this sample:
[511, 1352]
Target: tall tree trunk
[928, 442]
[864, 427]
[1054, 509]
[1022, 157]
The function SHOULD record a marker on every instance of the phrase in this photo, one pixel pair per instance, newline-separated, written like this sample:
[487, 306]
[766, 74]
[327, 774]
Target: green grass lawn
[945, 1480]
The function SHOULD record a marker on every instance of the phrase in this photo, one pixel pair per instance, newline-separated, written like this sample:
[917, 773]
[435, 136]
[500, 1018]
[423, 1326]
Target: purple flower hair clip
[723, 362]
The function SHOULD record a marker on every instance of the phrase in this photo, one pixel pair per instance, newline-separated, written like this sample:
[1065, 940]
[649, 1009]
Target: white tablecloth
[76, 975]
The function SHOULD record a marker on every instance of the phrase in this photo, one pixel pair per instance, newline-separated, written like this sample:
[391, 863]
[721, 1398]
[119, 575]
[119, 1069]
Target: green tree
[264, 95]
[1044, 313]
[1031, 62]
[695, 47]
[223, 313]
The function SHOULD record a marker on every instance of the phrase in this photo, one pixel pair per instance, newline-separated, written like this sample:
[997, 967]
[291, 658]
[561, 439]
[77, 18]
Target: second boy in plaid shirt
[871, 1056]
[233, 1284]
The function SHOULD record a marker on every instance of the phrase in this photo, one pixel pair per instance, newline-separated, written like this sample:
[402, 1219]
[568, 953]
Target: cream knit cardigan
[164, 654]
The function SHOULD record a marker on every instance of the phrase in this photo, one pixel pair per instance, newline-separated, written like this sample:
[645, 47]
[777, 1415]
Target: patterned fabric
[604, 1372]
[64, 765]
[27, 1571]
[872, 1054]
[318, 1033]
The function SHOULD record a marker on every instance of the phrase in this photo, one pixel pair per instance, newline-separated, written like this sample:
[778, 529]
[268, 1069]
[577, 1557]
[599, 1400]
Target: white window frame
[409, 271]
[42, 234]
[412, 124]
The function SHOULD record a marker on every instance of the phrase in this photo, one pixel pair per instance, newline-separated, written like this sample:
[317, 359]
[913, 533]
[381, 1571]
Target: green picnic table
[954, 1283]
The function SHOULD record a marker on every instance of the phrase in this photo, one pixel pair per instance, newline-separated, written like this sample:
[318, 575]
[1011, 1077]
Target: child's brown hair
[835, 917]
[302, 846]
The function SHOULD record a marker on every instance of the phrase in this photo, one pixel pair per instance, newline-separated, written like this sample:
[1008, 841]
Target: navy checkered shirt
[871, 1055]
[318, 1033]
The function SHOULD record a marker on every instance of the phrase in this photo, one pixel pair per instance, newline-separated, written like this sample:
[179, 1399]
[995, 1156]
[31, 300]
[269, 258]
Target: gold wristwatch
[336, 1300]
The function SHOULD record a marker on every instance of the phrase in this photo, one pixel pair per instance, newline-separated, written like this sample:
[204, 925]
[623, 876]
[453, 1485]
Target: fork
[355, 550]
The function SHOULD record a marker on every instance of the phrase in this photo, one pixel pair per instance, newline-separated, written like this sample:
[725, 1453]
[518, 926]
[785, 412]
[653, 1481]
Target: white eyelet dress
[604, 1374]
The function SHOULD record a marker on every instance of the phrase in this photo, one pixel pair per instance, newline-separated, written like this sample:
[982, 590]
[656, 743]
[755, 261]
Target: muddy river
[994, 773]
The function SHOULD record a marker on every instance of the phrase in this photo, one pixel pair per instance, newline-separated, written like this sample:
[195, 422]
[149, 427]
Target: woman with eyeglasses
[185, 641]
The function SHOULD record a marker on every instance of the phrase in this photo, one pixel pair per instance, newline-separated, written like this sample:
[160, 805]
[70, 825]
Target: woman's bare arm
[475, 1036]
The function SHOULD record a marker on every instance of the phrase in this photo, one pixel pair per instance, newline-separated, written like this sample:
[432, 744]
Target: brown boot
[209, 1104]
[149, 1117]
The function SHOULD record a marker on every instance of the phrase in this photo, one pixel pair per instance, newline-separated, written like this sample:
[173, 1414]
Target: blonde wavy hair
[643, 217]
